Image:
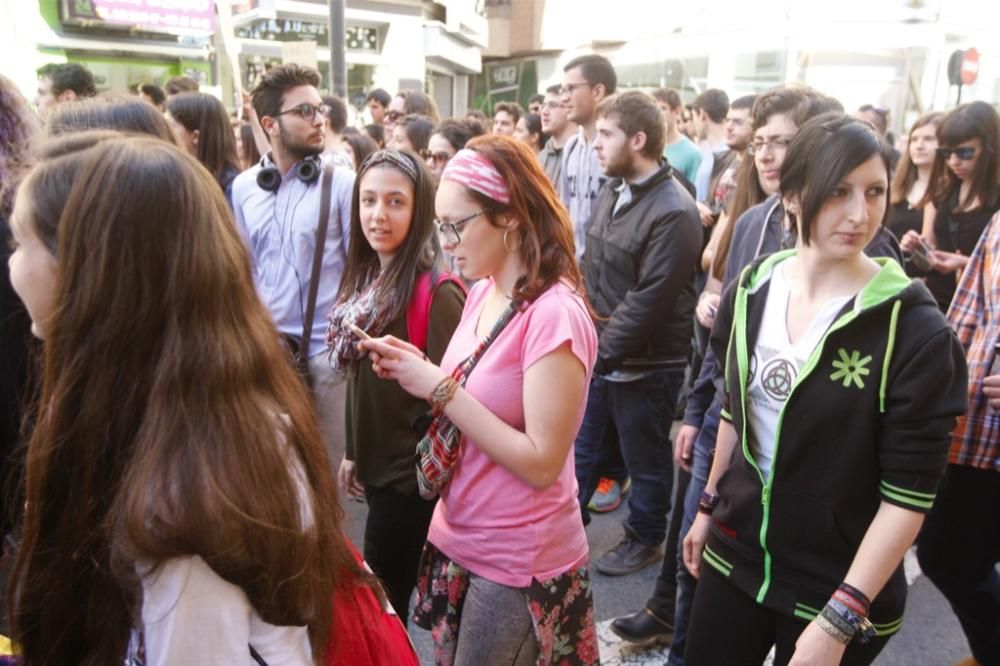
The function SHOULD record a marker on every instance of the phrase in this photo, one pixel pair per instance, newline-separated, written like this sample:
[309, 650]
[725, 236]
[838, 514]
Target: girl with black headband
[393, 284]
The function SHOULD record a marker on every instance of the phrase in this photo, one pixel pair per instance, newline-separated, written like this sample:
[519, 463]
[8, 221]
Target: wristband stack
[845, 616]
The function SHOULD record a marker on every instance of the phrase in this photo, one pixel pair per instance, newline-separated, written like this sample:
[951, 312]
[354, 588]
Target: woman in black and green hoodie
[842, 382]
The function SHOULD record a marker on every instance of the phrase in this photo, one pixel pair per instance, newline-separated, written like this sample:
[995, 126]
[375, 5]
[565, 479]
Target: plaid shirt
[975, 316]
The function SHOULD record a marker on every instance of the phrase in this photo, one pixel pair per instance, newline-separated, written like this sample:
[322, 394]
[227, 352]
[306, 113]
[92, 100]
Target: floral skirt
[561, 609]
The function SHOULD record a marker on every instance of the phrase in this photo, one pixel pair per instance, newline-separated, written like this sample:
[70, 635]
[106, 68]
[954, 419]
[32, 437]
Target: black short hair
[713, 102]
[153, 92]
[554, 90]
[745, 102]
[176, 85]
[69, 76]
[596, 69]
[845, 143]
[536, 99]
[337, 115]
[269, 93]
[377, 132]
[380, 96]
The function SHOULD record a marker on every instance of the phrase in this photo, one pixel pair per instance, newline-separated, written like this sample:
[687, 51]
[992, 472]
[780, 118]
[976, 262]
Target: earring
[506, 246]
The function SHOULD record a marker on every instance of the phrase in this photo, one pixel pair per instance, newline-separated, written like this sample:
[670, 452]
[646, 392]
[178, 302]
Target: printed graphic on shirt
[851, 368]
[778, 371]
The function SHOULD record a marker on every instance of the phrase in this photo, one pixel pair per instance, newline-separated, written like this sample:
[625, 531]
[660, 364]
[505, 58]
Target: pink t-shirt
[489, 521]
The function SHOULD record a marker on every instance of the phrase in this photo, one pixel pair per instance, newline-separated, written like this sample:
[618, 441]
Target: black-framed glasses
[773, 143]
[451, 232]
[964, 153]
[570, 87]
[440, 156]
[305, 111]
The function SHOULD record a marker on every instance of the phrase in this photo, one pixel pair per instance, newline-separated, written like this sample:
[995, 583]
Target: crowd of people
[218, 326]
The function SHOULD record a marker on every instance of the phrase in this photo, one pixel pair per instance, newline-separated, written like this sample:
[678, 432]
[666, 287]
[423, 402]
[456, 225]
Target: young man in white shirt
[277, 212]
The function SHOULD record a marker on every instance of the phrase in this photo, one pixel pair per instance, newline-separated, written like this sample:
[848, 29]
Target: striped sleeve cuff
[906, 498]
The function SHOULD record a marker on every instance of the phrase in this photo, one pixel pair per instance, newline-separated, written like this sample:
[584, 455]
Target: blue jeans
[700, 466]
[639, 414]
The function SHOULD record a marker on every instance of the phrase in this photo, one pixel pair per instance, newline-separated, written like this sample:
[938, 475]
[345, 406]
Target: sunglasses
[965, 153]
[305, 111]
[393, 116]
[440, 157]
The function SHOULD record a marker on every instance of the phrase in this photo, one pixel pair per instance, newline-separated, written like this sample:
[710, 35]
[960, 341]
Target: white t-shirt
[775, 364]
[190, 615]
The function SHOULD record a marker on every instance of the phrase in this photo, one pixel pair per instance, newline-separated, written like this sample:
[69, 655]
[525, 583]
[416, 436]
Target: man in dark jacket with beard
[643, 242]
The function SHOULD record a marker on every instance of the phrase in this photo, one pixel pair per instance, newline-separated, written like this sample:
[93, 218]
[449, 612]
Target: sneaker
[608, 495]
[643, 628]
[629, 556]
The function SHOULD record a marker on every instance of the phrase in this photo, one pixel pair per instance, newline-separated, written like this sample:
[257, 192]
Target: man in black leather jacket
[643, 242]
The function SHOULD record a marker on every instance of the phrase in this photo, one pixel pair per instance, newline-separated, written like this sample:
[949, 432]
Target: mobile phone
[921, 255]
[358, 332]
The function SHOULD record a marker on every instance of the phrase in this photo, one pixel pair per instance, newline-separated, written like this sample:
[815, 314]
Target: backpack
[418, 313]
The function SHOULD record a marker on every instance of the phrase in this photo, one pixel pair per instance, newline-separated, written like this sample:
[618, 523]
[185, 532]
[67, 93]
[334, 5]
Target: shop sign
[174, 16]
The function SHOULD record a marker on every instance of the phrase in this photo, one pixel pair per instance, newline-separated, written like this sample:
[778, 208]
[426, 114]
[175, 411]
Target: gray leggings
[495, 627]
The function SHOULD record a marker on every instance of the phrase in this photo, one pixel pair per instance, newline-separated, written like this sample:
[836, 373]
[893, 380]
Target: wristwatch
[707, 503]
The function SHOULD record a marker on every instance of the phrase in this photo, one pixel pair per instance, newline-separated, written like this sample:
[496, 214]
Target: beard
[619, 167]
[297, 147]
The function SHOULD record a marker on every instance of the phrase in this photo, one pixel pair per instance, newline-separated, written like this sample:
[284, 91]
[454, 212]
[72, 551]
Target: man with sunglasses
[278, 214]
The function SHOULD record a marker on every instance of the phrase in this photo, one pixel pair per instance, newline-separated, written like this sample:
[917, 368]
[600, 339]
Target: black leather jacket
[639, 267]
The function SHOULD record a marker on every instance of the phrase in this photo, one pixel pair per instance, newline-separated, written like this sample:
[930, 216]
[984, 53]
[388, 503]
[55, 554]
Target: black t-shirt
[956, 232]
[903, 218]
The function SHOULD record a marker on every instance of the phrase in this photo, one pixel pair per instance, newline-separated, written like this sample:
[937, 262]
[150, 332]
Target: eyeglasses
[393, 116]
[452, 231]
[774, 144]
[552, 104]
[965, 153]
[441, 157]
[570, 87]
[305, 111]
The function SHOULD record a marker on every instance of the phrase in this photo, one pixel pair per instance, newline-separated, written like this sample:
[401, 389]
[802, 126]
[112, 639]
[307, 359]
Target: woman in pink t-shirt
[506, 557]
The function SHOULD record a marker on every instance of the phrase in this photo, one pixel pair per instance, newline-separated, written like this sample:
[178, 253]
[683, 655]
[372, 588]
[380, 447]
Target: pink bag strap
[418, 313]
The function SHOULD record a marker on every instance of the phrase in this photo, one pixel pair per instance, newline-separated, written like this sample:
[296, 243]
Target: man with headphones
[278, 204]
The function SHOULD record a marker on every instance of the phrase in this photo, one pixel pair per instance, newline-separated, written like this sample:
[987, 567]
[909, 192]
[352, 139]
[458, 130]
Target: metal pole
[338, 62]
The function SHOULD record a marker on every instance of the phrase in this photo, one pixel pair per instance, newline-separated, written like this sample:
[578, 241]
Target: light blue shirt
[280, 232]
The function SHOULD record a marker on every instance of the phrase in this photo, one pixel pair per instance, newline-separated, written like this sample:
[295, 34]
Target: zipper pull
[765, 495]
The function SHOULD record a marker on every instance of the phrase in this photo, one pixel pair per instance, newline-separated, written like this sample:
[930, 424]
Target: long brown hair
[544, 231]
[419, 253]
[975, 120]
[216, 142]
[170, 423]
[906, 171]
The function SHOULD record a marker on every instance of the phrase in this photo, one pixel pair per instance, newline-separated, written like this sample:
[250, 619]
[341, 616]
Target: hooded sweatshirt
[867, 420]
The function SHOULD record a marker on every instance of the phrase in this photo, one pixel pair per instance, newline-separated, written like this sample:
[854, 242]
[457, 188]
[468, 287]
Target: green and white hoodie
[867, 419]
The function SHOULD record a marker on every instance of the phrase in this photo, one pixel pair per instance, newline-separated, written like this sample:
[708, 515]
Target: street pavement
[930, 636]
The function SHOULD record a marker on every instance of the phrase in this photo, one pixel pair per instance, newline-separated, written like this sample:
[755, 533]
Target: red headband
[473, 170]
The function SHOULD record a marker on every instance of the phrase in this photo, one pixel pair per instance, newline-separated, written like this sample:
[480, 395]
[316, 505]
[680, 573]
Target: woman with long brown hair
[200, 124]
[503, 577]
[179, 500]
[913, 174]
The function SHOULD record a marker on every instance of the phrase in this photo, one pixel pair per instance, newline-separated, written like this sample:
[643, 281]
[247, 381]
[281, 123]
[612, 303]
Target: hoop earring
[506, 246]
